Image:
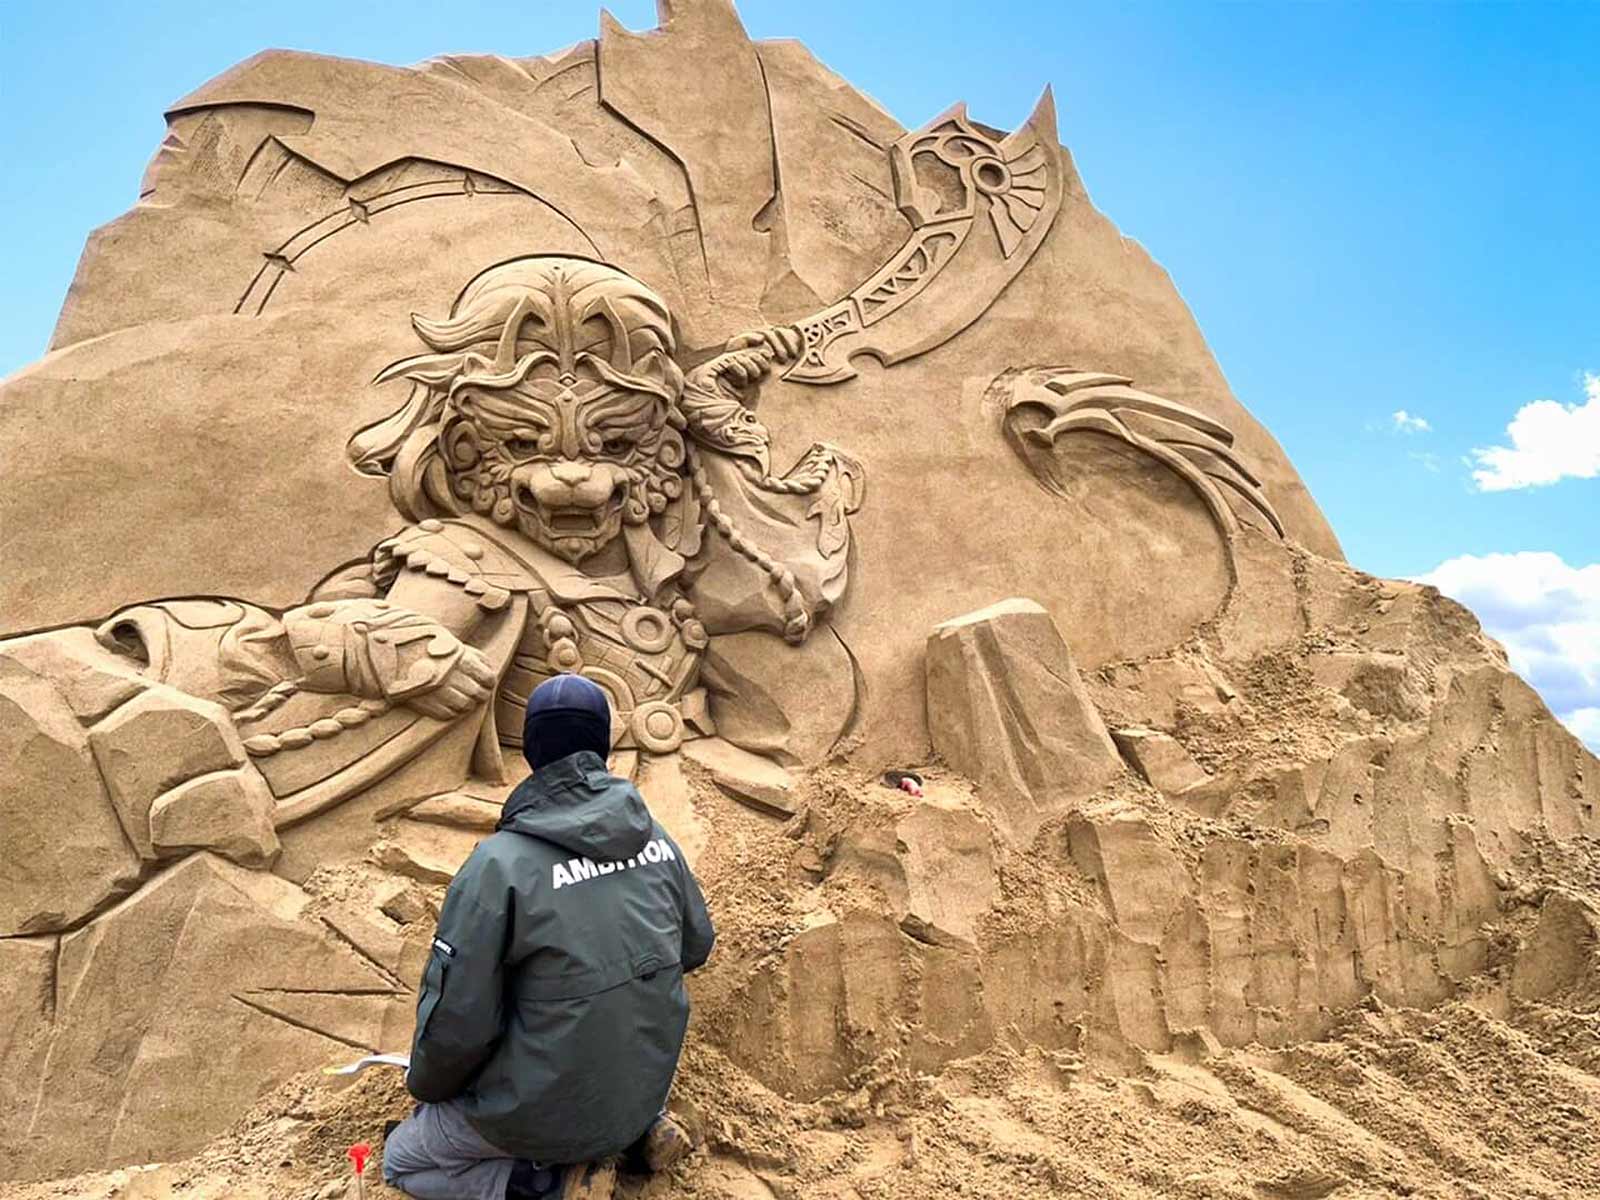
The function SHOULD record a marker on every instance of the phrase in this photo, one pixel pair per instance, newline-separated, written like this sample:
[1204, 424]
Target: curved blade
[978, 208]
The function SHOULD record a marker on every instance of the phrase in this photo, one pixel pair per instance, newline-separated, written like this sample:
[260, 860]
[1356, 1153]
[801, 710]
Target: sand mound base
[1395, 1102]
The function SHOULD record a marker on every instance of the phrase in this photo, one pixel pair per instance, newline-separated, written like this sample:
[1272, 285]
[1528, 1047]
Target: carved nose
[571, 473]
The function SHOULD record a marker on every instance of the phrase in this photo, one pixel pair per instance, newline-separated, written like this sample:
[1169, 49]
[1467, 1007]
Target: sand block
[946, 855]
[934, 864]
[374, 937]
[1160, 759]
[230, 989]
[1140, 877]
[749, 778]
[157, 740]
[226, 811]
[27, 998]
[91, 679]
[425, 852]
[63, 852]
[403, 902]
[1007, 709]
[670, 797]
[459, 811]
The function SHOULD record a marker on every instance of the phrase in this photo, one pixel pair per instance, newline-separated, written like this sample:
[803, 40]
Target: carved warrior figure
[578, 504]
[575, 502]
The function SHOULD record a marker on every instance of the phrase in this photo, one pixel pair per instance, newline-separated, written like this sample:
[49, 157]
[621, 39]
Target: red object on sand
[358, 1154]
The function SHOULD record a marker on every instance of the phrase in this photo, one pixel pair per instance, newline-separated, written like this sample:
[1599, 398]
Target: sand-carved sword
[978, 209]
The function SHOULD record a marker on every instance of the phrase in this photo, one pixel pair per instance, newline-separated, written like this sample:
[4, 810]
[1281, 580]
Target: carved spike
[1078, 421]
[1005, 228]
[1042, 122]
[1229, 461]
[1065, 385]
[1113, 392]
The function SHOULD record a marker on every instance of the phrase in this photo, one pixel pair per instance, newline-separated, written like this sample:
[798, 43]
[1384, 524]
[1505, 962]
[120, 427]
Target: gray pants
[436, 1154]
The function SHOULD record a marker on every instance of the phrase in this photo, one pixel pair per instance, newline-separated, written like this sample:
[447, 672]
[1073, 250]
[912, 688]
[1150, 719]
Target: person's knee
[402, 1151]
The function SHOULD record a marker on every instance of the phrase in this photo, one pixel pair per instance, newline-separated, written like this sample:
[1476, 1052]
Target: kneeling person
[552, 1009]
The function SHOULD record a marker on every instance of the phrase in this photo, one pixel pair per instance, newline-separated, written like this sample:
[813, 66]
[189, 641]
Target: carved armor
[640, 655]
[646, 656]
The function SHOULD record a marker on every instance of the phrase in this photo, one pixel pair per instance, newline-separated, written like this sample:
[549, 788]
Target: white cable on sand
[403, 1061]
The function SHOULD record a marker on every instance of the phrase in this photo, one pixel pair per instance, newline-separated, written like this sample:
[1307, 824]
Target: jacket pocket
[566, 982]
[432, 989]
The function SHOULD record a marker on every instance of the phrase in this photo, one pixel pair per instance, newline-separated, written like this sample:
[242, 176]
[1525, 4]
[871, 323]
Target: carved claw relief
[1044, 406]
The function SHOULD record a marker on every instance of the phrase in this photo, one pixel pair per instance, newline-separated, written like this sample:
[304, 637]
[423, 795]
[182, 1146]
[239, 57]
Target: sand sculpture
[400, 389]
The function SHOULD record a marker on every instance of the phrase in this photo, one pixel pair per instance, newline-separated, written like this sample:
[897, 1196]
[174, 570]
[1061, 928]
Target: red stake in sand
[358, 1155]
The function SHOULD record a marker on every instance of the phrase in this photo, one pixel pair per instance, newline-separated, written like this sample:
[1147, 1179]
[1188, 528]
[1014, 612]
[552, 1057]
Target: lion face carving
[565, 468]
[550, 404]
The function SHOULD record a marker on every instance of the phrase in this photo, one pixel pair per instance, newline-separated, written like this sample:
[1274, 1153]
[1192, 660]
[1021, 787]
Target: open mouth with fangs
[574, 522]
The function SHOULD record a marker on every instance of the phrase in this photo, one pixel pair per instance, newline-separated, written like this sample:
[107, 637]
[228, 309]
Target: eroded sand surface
[1485, 1096]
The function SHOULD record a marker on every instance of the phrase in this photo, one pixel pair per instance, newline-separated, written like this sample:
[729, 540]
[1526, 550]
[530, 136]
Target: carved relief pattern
[378, 194]
[573, 489]
[571, 494]
[902, 280]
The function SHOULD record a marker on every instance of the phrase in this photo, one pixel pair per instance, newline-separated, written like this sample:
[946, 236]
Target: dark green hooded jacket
[553, 1002]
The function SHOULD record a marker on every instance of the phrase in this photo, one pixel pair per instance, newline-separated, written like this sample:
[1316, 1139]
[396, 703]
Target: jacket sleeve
[460, 1014]
[698, 935]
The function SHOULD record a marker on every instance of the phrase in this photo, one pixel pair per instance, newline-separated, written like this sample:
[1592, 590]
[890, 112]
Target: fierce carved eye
[522, 447]
[616, 444]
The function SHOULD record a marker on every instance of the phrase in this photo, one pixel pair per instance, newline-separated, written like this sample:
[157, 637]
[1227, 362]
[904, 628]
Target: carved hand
[747, 359]
[373, 649]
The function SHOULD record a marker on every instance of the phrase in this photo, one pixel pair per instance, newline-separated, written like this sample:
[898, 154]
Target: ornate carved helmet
[566, 330]
[549, 322]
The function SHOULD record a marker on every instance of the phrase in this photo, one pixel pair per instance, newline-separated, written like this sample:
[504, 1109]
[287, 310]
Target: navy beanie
[566, 714]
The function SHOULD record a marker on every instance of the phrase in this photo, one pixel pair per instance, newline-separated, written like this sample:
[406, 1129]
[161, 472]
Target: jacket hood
[575, 803]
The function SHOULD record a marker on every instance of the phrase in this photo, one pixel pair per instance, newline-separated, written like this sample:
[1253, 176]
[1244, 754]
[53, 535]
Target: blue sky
[1372, 209]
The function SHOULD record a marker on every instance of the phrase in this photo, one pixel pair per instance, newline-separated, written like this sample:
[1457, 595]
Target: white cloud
[1547, 615]
[1549, 441]
[1585, 722]
[1429, 460]
[1405, 422]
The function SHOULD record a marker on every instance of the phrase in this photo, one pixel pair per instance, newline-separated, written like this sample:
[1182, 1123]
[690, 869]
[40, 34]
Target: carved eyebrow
[617, 408]
[499, 412]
